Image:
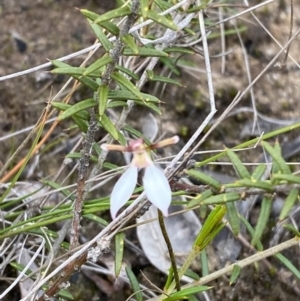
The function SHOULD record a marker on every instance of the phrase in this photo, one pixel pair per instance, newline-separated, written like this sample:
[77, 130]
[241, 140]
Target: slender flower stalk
[155, 183]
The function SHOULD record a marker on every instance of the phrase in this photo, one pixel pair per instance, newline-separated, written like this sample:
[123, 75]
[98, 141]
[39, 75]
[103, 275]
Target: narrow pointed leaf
[211, 227]
[105, 42]
[202, 177]
[119, 252]
[259, 171]
[250, 229]
[97, 65]
[69, 70]
[116, 103]
[238, 165]
[222, 198]
[144, 51]
[130, 42]
[266, 206]
[292, 229]
[111, 28]
[144, 7]
[289, 203]
[80, 106]
[277, 157]
[169, 63]
[233, 217]
[255, 184]
[109, 126]
[123, 190]
[103, 93]
[125, 95]
[288, 264]
[112, 14]
[289, 178]
[149, 105]
[204, 263]
[235, 274]
[179, 50]
[87, 81]
[134, 284]
[166, 80]
[200, 198]
[128, 85]
[127, 72]
[82, 125]
[185, 293]
[162, 20]
[157, 188]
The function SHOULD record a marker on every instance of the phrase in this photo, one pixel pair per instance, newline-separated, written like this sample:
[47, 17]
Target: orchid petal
[157, 188]
[123, 190]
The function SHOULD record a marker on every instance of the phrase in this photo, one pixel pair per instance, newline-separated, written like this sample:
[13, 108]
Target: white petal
[157, 188]
[123, 190]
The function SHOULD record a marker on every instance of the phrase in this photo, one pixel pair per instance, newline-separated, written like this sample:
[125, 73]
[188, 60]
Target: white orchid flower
[155, 183]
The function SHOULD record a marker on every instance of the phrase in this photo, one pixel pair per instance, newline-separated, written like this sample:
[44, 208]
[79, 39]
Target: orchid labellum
[155, 183]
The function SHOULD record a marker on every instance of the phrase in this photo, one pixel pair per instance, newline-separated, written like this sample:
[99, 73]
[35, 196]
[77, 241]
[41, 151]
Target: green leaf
[292, 229]
[127, 72]
[130, 42]
[288, 264]
[80, 106]
[134, 284]
[204, 263]
[251, 231]
[200, 198]
[235, 274]
[166, 80]
[265, 210]
[259, 171]
[211, 227]
[125, 95]
[103, 93]
[109, 126]
[144, 7]
[198, 8]
[289, 203]
[289, 178]
[67, 193]
[64, 106]
[98, 64]
[20, 267]
[164, 21]
[186, 292]
[171, 64]
[105, 42]
[82, 124]
[238, 165]
[112, 14]
[144, 51]
[119, 252]
[111, 28]
[116, 103]
[75, 155]
[149, 105]
[233, 217]
[66, 295]
[179, 50]
[222, 198]
[277, 157]
[128, 85]
[69, 70]
[255, 184]
[202, 177]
